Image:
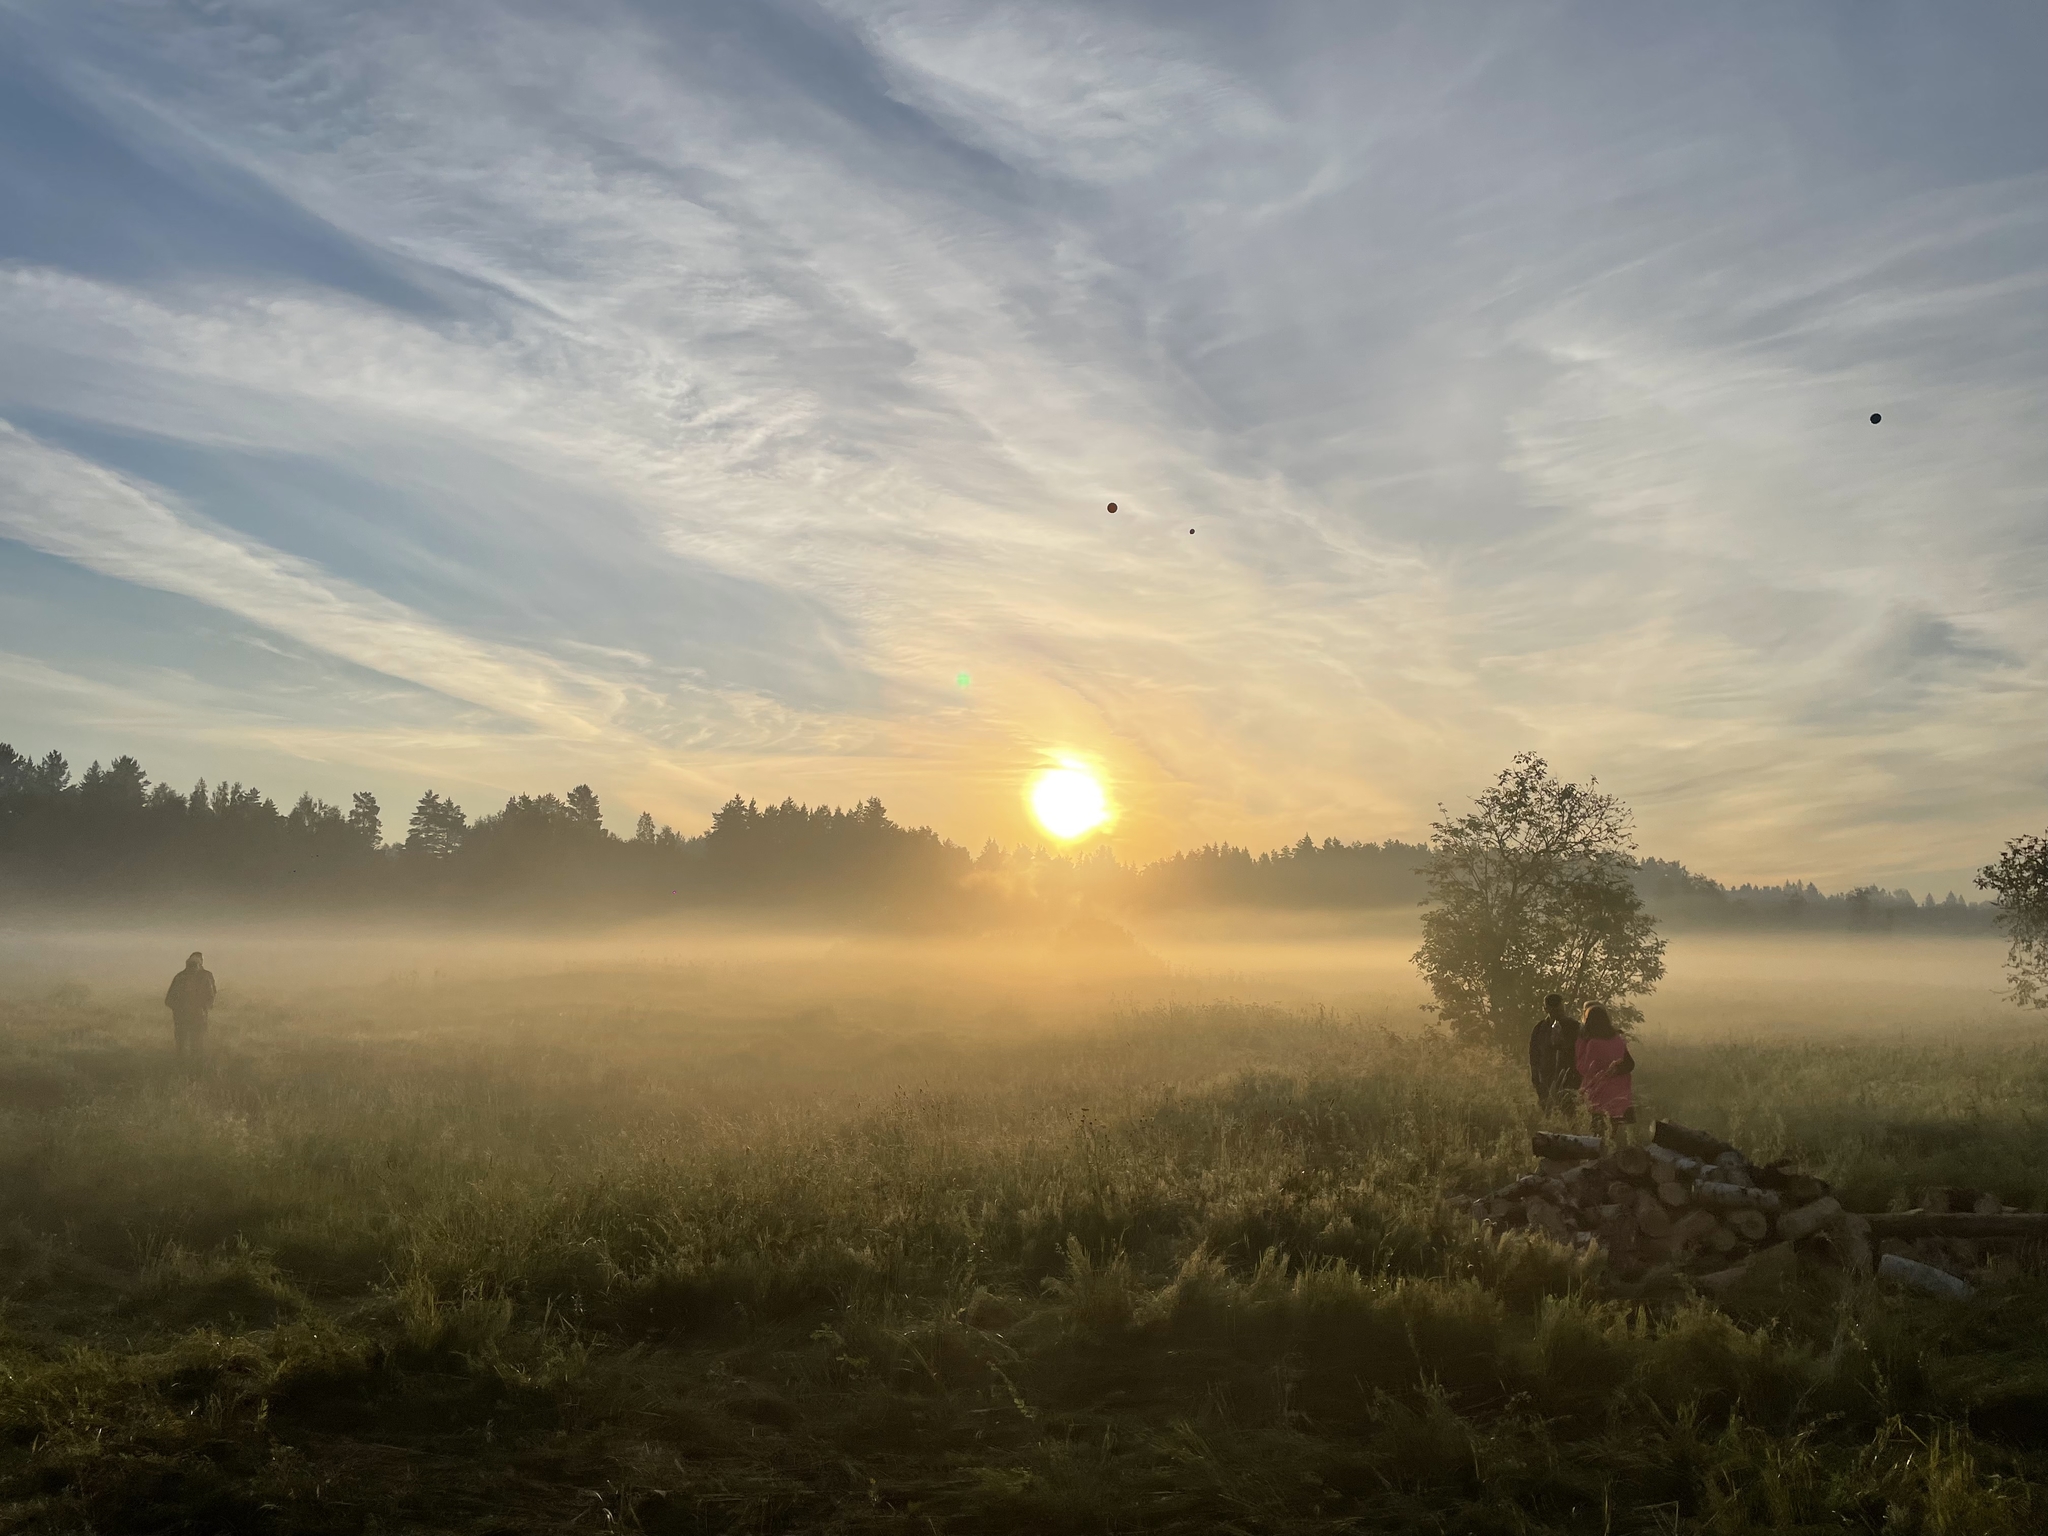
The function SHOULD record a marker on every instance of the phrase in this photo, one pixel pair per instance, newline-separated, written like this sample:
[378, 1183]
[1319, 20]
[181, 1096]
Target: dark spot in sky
[1112, 506]
[1191, 530]
[1875, 418]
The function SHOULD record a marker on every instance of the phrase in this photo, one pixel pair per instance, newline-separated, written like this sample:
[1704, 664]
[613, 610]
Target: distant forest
[111, 836]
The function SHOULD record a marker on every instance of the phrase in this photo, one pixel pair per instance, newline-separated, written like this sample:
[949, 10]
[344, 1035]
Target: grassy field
[829, 1240]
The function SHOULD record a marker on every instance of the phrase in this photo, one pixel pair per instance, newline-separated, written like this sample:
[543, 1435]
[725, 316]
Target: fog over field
[689, 1228]
[1352, 963]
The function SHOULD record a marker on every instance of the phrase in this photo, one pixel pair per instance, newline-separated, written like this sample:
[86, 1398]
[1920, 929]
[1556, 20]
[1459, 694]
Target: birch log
[1734, 1197]
[1667, 1164]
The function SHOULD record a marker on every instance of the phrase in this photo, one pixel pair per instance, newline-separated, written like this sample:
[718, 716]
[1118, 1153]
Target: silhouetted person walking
[1553, 1054]
[190, 1000]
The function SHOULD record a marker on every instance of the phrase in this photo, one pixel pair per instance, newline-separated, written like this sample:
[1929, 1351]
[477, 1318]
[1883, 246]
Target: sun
[1069, 802]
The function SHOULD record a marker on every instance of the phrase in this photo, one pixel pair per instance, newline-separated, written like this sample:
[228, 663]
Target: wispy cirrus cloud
[712, 384]
[62, 505]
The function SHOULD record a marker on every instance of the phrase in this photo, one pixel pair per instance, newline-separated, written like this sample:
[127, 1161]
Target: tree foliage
[1681, 898]
[436, 828]
[1530, 892]
[2019, 879]
[1306, 874]
[111, 833]
[366, 818]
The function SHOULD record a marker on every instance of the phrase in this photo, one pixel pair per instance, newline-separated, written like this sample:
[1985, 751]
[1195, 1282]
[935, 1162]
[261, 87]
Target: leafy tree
[1530, 893]
[643, 829]
[436, 828]
[583, 806]
[2020, 881]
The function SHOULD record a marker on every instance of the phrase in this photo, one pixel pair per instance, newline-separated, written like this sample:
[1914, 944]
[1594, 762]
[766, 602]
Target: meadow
[796, 1233]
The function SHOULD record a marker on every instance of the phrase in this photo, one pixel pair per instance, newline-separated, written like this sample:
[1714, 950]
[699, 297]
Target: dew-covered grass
[637, 1250]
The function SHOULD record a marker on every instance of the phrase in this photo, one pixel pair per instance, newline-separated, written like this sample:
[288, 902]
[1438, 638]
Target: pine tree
[436, 828]
[366, 818]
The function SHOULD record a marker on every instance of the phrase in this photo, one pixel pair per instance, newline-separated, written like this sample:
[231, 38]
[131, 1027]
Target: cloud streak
[63, 506]
[711, 384]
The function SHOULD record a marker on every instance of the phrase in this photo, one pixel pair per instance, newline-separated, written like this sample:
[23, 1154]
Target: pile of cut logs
[1689, 1200]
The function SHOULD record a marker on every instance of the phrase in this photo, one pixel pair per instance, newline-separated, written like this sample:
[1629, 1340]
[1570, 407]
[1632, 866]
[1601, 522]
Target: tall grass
[588, 1252]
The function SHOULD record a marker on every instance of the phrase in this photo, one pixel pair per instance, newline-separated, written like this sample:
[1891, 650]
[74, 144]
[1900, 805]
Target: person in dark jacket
[190, 1000]
[1553, 1054]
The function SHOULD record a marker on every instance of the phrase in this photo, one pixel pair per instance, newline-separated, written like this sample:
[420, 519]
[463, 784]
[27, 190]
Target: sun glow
[1069, 802]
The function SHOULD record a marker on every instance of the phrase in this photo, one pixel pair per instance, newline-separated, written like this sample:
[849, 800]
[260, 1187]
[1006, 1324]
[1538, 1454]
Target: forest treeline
[1683, 899]
[110, 835]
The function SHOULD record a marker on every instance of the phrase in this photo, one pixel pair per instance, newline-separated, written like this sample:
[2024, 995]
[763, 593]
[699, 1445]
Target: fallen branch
[1566, 1147]
[1686, 1140]
[1922, 1277]
[1903, 1224]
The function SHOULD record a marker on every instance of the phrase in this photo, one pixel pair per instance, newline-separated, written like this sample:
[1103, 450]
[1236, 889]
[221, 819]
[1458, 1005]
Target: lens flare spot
[1069, 802]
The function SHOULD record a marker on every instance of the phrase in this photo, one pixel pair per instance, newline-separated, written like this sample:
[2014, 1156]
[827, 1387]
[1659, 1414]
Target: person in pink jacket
[1606, 1069]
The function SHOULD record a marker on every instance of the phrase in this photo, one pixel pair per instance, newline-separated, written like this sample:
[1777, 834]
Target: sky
[693, 399]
